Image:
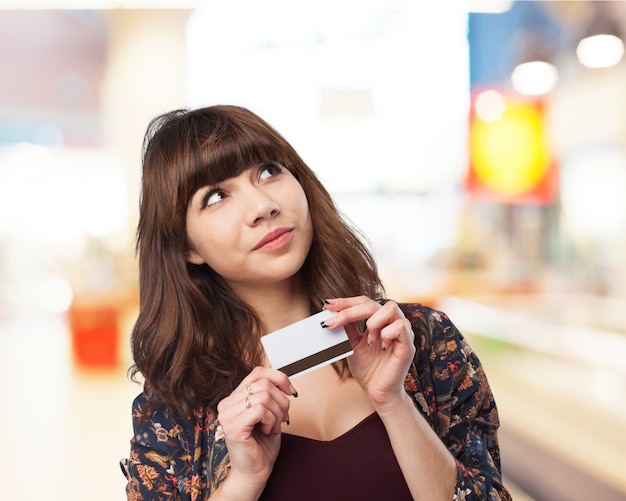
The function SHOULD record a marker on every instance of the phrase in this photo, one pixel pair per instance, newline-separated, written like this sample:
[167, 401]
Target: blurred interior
[480, 146]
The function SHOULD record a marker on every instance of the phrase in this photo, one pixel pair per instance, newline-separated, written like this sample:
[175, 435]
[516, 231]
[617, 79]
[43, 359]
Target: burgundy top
[359, 464]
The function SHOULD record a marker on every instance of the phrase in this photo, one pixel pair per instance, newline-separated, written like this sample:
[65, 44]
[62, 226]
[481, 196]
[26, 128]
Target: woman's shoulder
[157, 423]
[437, 338]
[430, 323]
[418, 310]
[415, 309]
[171, 446]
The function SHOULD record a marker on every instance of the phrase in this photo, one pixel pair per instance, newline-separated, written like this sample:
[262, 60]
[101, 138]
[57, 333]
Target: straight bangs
[223, 148]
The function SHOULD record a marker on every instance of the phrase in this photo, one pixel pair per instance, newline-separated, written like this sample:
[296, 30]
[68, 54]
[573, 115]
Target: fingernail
[325, 301]
[293, 390]
[328, 323]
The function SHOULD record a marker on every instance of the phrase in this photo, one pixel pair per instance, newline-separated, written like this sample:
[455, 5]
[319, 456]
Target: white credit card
[306, 345]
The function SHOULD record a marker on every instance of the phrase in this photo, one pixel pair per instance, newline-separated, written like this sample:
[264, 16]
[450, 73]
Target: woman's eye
[270, 170]
[212, 197]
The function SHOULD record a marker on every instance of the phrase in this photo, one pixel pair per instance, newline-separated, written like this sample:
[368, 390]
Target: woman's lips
[274, 239]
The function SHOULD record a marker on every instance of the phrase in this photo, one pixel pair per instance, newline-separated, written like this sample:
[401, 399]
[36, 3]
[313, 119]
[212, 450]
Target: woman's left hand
[383, 353]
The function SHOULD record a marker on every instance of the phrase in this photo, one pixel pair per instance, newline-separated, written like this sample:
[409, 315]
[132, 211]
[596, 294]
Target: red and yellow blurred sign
[510, 157]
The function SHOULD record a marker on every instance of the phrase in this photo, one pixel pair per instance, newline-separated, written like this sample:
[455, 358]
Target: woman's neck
[278, 305]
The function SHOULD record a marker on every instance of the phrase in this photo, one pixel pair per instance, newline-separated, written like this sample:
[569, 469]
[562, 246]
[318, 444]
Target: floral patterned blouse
[173, 458]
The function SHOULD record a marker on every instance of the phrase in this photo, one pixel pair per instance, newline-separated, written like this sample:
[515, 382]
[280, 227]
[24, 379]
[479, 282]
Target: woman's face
[253, 229]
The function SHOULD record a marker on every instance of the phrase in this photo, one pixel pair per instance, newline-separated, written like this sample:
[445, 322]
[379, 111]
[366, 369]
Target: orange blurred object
[95, 334]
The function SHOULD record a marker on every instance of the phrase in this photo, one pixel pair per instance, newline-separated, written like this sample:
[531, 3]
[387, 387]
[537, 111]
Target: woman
[237, 238]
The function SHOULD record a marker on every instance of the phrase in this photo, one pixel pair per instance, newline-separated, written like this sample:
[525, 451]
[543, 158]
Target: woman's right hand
[251, 418]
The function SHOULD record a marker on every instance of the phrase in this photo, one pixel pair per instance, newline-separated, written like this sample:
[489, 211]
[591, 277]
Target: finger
[261, 380]
[340, 303]
[398, 331]
[388, 323]
[278, 379]
[264, 410]
[263, 391]
[350, 310]
[239, 414]
[385, 315]
[265, 396]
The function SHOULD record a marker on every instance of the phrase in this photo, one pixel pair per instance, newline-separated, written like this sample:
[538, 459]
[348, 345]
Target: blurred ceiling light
[534, 78]
[489, 6]
[601, 45]
[99, 4]
[490, 106]
[600, 51]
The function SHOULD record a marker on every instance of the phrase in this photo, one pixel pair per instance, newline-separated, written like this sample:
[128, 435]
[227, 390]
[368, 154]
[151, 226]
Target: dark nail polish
[288, 422]
[295, 394]
[325, 301]
[323, 324]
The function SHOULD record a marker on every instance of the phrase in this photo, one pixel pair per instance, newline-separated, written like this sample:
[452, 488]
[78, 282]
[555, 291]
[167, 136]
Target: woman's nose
[262, 207]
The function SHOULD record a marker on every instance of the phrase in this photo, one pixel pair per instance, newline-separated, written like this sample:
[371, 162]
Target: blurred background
[480, 145]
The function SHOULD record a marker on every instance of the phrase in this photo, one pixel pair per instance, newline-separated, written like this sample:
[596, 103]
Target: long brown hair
[194, 339]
